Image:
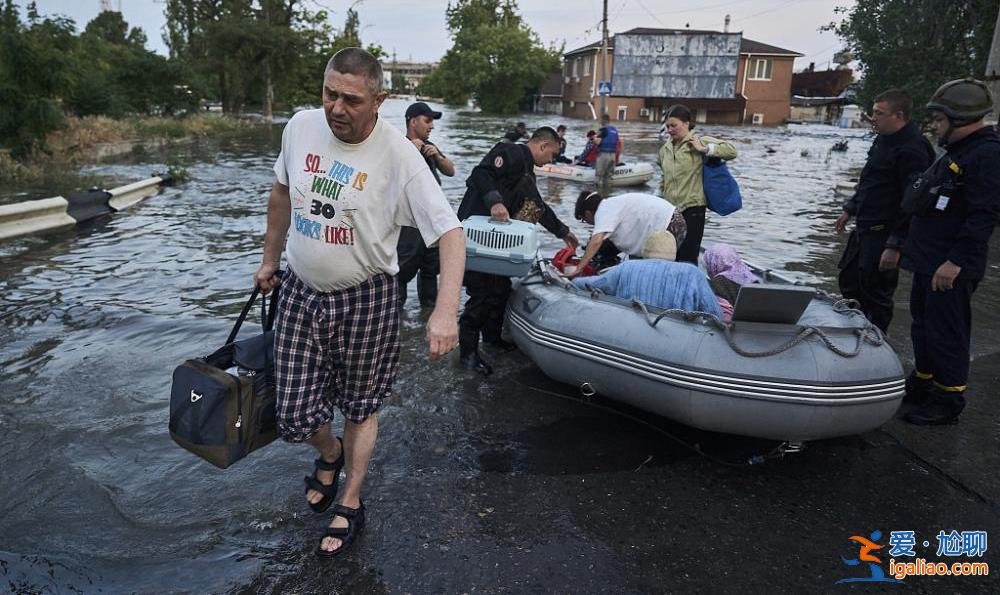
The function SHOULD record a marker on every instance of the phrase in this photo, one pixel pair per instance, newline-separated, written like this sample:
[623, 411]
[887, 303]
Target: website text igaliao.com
[921, 567]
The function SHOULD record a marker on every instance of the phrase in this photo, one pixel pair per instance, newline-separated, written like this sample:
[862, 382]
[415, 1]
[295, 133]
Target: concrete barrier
[123, 197]
[35, 216]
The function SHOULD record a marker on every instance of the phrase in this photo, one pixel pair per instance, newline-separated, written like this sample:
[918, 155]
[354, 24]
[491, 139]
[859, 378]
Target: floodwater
[511, 484]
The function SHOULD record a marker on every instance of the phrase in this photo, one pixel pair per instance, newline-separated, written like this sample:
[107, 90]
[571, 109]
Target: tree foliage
[248, 51]
[236, 51]
[495, 57]
[34, 73]
[917, 44]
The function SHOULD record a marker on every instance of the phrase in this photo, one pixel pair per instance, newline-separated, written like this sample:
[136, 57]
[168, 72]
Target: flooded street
[510, 484]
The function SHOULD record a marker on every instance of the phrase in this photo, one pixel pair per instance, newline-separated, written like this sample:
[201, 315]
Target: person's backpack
[222, 406]
[721, 190]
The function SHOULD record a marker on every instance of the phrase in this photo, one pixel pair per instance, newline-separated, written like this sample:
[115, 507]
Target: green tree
[495, 57]
[916, 44]
[242, 50]
[35, 70]
[399, 84]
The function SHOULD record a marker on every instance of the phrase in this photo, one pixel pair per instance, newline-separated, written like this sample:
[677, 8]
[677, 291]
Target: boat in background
[626, 174]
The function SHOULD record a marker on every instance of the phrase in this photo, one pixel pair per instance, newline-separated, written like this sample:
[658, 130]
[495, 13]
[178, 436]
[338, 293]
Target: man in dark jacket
[503, 187]
[955, 205]
[869, 268]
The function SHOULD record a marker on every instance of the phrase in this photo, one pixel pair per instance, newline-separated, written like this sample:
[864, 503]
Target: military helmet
[964, 101]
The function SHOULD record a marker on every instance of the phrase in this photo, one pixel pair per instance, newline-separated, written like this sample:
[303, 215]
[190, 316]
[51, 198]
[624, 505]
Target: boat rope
[869, 333]
[861, 334]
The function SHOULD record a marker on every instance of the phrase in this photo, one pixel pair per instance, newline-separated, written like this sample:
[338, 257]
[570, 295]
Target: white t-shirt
[348, 201]
[628, 219]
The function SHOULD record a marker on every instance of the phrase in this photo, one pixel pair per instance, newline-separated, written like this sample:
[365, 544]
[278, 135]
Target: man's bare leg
[359, 443]
[329, 448]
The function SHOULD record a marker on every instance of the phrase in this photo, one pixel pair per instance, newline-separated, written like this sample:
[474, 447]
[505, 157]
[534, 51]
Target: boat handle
[587, 390]
[530, 304]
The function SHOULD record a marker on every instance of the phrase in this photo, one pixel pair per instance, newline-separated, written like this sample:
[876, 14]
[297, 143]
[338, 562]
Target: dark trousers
[690, 248]
[941, 329]
[414, 256]
[484, 309]
[861, 280]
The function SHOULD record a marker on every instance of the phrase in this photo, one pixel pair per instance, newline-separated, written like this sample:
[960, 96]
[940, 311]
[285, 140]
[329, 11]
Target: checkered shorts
[333, 349]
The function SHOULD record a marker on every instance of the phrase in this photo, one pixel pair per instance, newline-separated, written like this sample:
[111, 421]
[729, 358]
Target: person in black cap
[520, 131]
[414, 255]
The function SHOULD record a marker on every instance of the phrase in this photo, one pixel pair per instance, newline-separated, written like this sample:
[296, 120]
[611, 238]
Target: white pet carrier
[499, 248]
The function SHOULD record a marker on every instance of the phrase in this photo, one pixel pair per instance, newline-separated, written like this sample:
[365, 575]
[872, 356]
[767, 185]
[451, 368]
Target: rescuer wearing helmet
[955, 206]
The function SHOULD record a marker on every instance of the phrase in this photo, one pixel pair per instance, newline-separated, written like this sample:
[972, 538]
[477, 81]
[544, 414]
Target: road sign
[604, 87]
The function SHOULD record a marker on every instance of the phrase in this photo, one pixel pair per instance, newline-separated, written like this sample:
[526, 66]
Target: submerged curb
[35, 216]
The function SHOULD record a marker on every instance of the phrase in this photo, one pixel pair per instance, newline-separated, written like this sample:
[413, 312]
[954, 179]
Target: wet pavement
[511, 484]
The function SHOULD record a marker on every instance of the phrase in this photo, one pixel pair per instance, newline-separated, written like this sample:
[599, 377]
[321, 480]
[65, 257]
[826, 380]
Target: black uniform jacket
[894, 160]
[506, 175]
[957, 225]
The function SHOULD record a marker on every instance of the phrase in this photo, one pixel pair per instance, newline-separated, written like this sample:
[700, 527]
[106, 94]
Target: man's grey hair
[358, 62]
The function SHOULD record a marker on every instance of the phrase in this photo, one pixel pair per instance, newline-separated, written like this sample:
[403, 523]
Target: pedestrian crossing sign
[604, 87]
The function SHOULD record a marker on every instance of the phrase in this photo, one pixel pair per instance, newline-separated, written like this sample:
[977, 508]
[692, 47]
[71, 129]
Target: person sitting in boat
[589, 154]
[561, 157]
[726, 274]
[656, 280]
[726, 271]
[626, 220]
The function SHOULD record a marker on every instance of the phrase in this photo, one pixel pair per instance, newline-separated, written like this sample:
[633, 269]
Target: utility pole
[604, 59]
[993, 71]
[268, 107]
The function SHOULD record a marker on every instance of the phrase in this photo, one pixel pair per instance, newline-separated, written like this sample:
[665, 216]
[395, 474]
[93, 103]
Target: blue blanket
[656, 282]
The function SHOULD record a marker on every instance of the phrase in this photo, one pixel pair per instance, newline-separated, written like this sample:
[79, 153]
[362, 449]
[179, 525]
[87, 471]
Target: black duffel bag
[222, 406]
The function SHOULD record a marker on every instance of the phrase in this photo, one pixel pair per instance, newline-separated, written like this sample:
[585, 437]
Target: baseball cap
[421, 109]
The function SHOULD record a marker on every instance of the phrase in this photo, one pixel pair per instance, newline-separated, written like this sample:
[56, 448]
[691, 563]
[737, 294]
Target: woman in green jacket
[680, 158]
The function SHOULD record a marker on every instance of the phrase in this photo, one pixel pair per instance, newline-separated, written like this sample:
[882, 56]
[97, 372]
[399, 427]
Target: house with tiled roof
[750, 82]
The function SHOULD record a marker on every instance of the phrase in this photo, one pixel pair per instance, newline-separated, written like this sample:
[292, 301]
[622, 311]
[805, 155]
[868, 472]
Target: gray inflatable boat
[830, 374]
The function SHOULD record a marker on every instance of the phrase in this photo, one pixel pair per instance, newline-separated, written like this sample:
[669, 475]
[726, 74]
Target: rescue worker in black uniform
[503, 187]
[955, 206]
[869, 268]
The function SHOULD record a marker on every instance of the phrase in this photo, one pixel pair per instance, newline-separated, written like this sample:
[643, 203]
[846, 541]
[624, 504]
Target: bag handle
[266, 318]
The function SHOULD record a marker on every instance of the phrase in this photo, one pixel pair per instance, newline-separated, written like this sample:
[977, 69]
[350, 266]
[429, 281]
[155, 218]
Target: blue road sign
[604, 87]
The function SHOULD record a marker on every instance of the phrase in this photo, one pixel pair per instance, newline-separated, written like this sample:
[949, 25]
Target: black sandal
[329, 491]
[355, 523]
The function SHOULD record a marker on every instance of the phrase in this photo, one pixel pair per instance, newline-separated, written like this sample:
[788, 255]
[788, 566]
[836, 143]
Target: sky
[415, 29]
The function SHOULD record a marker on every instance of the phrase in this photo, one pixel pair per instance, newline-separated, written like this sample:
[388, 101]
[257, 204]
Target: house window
[586, 67]
[622, 113]
[576, 68]
[758, 119]
[760, 69]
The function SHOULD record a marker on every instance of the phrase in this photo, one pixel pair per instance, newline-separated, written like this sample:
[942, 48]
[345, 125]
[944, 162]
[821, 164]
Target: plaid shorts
[339, 348]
